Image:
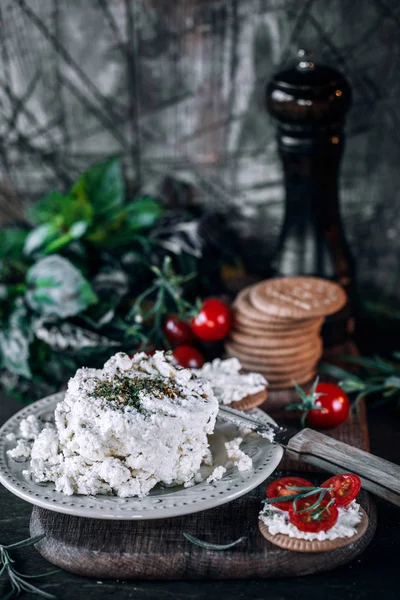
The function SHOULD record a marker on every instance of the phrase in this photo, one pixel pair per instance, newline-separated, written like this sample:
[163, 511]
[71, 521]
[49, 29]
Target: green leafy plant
[19, 582]
[95, 273]
[376, 375]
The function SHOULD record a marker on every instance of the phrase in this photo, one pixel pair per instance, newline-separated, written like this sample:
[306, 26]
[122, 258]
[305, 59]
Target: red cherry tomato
[278, 489]
[187, 356]
[320, 519]
[345, 488]
[213, 321]
[335, 407]
[177, 332]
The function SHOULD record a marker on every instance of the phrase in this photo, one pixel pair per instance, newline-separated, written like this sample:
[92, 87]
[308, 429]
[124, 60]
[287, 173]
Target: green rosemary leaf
[316, 504]
[38, 576]
[289, 498]
[338, 373]
[369, 363]
[24, 543]
[209, 546]
[28, 587]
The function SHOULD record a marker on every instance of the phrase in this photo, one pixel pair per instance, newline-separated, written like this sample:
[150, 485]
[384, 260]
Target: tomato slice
[320, 519]
[278, 489]
[345, 488]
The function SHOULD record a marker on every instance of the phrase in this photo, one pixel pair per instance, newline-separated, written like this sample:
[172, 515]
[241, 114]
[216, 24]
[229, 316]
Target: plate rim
[24, 493]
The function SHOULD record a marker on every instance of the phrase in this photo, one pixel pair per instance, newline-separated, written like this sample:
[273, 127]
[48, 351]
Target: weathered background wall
[176, 87]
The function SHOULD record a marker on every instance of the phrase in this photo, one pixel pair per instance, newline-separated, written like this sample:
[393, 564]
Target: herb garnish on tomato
[280, 488]
[313, 520]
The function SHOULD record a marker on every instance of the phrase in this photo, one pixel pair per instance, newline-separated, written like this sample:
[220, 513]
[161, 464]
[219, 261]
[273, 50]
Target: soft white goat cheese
[228, 384]
[124, 428]
[277, 521]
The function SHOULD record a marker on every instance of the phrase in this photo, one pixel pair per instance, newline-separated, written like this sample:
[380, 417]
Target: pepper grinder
[309, 103]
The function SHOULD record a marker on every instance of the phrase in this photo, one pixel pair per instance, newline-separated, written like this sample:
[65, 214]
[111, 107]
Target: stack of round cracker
[277, 324]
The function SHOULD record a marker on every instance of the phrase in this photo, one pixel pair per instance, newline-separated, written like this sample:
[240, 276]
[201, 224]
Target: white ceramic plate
[161, 502]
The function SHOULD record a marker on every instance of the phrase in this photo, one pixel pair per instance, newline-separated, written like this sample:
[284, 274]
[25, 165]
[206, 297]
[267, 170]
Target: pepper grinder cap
[308, 94]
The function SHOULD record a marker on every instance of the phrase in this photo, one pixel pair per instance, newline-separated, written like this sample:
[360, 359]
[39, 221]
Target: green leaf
[143, 213]
[39, 237]
[14, 343]
[370, 363]
[57, 244]
[26, 542]
[102, 185]
[339, 373]
[12, 242]
[78, 229]
[393, 381]
[57, 289]
[60, 210]
[209, 546]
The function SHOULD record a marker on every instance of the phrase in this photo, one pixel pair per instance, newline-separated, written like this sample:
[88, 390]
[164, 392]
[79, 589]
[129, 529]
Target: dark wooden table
[375, 574]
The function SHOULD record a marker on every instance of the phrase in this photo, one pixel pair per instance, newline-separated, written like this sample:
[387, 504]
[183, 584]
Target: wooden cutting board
[158, 550]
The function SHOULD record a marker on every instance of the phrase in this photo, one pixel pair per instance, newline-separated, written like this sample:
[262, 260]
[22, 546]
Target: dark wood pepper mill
[309, 103]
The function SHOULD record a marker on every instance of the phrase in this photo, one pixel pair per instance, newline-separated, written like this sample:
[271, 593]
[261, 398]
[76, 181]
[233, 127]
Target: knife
[378, 475]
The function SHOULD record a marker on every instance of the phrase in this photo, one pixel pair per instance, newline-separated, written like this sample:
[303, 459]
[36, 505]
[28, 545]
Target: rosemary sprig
[307, 401]
[18, 580]
[377, 375]
[208, 546]
[304, 492]
[163, 297]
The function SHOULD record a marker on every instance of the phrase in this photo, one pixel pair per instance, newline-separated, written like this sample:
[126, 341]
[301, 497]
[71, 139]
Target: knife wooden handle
[378, 475]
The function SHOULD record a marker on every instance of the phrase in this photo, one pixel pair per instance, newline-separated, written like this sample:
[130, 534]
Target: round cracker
[278, 364]
[276, 345]
[292, 331]
[297, 297]
[299, 545]
[243, 305]
[250, 401]
[267, 322]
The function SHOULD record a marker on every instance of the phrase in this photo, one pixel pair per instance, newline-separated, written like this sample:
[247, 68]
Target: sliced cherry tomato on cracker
[278, 489]
[320, 519]
[345, 488]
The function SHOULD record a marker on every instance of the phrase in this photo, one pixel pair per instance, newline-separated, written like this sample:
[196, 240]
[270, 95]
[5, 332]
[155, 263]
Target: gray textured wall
[176, 87]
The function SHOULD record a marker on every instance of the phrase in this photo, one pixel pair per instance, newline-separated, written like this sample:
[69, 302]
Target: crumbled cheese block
[228, 384]
[237, 456]
[21, 452]
[29, 428]
[217, 474]
[124, 428]
[11, 437]
[277, 521]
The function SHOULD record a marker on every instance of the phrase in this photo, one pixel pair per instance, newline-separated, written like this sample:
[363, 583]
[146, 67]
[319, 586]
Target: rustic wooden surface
[157, 549]
[374, 573]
